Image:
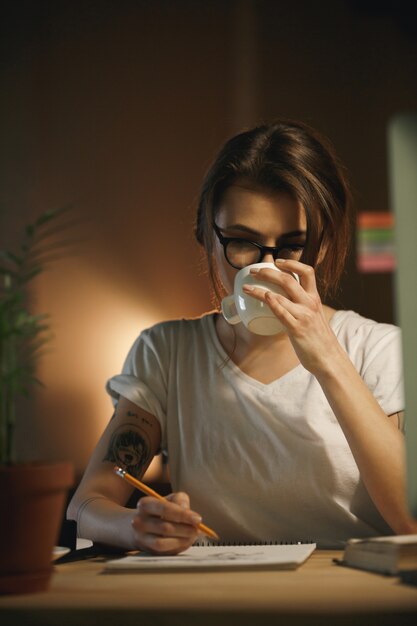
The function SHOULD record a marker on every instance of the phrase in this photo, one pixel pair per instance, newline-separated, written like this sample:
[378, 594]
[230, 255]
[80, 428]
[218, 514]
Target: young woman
[290, 437]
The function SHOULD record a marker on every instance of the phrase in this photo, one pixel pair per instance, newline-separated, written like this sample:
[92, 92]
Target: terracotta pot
[32, 501]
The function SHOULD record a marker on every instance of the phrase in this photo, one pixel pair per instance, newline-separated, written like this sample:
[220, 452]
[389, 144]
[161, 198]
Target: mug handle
[229, 310]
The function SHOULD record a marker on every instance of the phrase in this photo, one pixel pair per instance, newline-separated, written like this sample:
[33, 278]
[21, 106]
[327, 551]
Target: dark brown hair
[292, 157]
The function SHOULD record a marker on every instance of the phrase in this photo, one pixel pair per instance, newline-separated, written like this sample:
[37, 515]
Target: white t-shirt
[261, 461]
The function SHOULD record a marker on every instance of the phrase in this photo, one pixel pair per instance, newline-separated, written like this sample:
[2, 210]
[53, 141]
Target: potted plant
[32, 494]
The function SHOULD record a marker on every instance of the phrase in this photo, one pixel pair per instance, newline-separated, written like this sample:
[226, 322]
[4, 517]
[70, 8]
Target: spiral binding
[214, 544]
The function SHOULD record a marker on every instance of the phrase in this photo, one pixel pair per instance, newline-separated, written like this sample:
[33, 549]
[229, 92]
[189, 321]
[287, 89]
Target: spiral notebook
[218, 556]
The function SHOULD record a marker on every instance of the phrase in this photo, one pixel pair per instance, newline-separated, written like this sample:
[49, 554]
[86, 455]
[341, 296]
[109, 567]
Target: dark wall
[346, 68]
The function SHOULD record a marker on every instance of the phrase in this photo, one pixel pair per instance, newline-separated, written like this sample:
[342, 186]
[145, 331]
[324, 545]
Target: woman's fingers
[303, 292]
[285, 278]
[285, 281]
[167, 519]
[166, 545]
[165, 527]
[286, 311]
[305, 272]
[169, 511]
[156, 526]
[181, 498]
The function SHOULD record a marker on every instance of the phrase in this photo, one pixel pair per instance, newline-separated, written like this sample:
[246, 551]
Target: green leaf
[30, 274]
[11, 257]
[51, 214]
[23, 335]
[7, 272]
[44, 218]
[30, 230]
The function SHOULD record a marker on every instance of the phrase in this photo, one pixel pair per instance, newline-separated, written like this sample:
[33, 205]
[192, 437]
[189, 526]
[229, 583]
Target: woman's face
[269, 218]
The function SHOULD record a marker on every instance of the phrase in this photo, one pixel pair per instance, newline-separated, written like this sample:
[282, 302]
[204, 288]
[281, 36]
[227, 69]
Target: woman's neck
[265, 358]
[232, 337]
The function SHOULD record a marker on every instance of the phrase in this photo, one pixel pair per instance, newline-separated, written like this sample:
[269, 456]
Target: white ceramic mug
[242, 307]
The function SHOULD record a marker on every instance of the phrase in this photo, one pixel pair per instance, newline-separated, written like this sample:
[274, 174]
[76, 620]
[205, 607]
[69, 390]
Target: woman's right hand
[167, 527]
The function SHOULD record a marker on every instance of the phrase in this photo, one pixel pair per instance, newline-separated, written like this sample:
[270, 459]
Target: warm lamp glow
[94, 325]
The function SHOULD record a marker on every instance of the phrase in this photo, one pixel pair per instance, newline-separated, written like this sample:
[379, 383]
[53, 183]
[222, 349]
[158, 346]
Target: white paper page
[279, 556]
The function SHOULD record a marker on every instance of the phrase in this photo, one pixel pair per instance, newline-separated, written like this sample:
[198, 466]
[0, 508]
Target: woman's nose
[268, 258]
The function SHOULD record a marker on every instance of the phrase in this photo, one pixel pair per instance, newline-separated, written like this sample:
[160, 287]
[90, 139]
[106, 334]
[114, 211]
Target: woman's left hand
[301, 312]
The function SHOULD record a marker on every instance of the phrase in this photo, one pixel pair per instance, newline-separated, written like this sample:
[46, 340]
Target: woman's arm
[376, 443]
[130, 440]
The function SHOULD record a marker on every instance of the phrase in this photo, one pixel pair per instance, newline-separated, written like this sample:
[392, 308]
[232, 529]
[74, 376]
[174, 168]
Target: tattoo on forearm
[130, 450]
[142, 419]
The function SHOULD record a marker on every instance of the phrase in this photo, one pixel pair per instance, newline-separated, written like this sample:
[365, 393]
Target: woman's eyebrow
[256, 233]
[293, 233]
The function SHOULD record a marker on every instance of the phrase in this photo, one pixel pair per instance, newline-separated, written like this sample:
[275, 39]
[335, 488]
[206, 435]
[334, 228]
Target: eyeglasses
[241, 252]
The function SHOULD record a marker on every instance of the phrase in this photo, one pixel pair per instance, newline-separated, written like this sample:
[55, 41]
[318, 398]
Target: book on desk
[386, 555]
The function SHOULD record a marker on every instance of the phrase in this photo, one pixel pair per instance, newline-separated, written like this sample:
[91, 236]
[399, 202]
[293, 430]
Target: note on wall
[375, 242]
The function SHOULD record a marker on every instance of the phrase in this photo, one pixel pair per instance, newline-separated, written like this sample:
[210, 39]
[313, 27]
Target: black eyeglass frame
[263, 250]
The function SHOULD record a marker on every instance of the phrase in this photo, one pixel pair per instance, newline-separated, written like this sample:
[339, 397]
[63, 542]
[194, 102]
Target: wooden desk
[318, 593]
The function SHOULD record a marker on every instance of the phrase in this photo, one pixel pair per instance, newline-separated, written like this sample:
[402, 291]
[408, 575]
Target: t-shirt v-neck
[229, 365]
[232, 368]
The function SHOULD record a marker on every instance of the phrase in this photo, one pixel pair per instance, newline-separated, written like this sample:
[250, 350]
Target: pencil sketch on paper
[190, 558]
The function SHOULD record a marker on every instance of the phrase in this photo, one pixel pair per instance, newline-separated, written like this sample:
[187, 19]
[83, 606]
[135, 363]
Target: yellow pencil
[150, 492]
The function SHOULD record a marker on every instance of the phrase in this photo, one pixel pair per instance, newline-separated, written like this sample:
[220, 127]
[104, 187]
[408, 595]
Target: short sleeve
[382, 367]
[143, 380]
